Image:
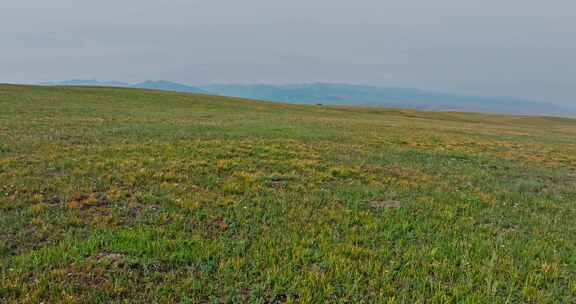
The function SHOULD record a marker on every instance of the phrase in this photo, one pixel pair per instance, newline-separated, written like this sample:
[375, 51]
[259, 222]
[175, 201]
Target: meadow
[132, 196]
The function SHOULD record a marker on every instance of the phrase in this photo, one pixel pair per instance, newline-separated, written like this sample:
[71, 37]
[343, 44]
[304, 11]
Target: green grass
[118, 195]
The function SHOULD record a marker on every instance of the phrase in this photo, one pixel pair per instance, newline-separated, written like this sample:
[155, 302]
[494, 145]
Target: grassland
[120, 195]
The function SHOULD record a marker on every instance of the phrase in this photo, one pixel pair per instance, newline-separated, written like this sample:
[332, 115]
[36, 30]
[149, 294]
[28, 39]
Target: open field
[113, 195]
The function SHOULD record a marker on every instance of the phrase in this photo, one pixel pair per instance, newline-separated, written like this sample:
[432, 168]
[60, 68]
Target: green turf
[118, 195]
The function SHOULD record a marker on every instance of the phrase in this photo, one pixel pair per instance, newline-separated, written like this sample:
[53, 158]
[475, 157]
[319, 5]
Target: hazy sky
[523, 48]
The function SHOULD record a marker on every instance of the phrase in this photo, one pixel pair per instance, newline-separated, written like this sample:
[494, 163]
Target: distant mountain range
[354, 95]
[151, 85]
[87, 82]
[167, 86]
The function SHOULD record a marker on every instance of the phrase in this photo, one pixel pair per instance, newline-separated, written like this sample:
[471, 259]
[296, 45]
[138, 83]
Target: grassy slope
[115, 194]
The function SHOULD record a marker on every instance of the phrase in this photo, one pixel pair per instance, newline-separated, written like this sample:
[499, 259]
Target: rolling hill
[119, 195]
[357, 95]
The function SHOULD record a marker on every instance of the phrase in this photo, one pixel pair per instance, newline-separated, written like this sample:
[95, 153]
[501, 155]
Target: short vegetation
[121, 195]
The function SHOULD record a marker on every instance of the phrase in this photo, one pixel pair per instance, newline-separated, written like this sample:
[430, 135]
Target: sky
[520, 48]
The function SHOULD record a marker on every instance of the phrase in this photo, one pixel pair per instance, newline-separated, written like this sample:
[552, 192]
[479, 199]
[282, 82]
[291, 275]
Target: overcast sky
[523, 48]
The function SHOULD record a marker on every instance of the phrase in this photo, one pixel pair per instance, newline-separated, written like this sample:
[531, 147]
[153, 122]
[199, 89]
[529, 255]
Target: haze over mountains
[149, 84]
[353, 95]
